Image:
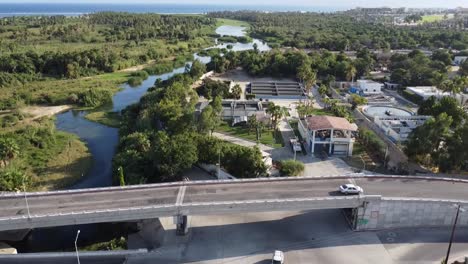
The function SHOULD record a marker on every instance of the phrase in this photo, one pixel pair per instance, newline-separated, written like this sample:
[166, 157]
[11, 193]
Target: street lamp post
[76, 247]
[453, 231]
[26, 196]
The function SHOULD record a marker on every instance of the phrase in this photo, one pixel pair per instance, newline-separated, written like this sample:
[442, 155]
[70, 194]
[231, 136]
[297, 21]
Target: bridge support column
[182, 225]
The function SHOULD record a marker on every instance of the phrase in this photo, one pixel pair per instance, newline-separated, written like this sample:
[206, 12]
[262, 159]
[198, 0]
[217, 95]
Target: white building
[398, 128]
[458, 60]
[329, 134]
[368, 87]
[427, 91]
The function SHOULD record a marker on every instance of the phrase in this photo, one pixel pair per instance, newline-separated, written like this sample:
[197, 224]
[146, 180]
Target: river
[102, 140]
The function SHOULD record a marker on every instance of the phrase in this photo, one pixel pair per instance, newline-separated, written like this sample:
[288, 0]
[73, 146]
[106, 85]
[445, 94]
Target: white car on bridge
[278, 257]
[350, 189]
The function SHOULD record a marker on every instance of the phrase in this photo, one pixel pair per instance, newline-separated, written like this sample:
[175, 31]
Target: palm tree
[276, 113]
[252, 122]
[307, 76]
[8, 150]
[350, 72]
[454, 86]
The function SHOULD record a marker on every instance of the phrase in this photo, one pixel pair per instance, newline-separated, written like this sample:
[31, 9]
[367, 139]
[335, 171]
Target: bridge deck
[171, 197]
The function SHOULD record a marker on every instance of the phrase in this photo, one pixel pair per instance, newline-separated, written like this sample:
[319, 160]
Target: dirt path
[37, 112]
[138, 67]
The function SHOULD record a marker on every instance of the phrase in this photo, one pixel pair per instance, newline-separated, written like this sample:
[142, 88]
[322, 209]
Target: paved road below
[319, 236]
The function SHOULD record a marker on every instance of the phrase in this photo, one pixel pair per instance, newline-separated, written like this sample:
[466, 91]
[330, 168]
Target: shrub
[94, 98]
[135, 81]
[142, 74]
[11, 179]
[291, 168]
[369, 139]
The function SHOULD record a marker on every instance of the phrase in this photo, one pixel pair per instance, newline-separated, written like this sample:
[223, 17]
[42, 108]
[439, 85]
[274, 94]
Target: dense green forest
[161, 136]
[343, 32]
[38, 50]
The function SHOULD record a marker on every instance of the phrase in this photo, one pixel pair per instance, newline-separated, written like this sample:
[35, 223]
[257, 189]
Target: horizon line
[227, 4]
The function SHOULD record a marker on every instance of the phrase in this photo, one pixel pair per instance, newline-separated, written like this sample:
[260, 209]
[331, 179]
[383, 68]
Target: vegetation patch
[291, 168]
[111, 119]
[43, 157]
[231, 22]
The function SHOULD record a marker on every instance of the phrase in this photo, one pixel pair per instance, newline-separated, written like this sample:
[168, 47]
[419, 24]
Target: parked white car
[278, 257]
[350, 189]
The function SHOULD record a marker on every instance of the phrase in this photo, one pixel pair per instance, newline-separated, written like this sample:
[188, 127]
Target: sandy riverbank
[36, 112]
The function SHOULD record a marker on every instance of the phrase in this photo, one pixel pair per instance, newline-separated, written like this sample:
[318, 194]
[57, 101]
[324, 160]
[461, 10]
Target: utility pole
[76, 247]
[453, 232]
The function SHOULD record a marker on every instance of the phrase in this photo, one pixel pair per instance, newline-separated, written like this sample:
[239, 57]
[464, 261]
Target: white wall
[369, 87]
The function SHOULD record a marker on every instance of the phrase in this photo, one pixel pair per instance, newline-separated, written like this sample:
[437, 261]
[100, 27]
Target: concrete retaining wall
[400, 212]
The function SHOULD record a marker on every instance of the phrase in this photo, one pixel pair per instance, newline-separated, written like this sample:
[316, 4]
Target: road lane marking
[180, 195]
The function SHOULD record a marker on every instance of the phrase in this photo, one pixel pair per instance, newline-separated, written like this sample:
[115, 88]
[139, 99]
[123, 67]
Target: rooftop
[329, 122]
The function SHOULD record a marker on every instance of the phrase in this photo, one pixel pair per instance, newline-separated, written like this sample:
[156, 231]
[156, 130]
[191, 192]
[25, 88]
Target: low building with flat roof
[328, 134]
[459, 60]
[369, 87]
[398, 128]
[427, 91]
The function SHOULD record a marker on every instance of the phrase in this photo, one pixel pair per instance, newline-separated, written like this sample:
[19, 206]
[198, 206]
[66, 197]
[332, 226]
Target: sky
[318, 3]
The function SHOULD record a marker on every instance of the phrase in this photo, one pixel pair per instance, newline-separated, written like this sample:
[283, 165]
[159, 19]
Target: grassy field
[71, 162]
[269, 136]
[432, 18]
[111, 119]
[58, 92]
[231, 22]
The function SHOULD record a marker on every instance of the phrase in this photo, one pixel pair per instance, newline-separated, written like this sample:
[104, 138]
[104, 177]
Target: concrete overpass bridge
[389, 201]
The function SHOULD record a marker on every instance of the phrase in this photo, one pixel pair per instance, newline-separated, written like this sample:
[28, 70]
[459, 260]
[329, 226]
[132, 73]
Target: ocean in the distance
[12, 9]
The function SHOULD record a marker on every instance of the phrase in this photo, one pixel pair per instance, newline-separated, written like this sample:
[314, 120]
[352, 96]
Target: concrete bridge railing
[151, 212]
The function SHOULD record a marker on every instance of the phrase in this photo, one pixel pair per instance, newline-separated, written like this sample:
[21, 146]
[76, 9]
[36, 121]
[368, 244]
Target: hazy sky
[343, 3]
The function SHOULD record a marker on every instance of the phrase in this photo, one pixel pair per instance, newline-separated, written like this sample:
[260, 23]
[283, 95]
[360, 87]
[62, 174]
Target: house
[329, 134]
[368, 87]
[459, 60]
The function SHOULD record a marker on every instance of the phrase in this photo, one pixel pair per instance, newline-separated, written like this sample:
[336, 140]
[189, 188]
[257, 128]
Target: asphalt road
[194, 193]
